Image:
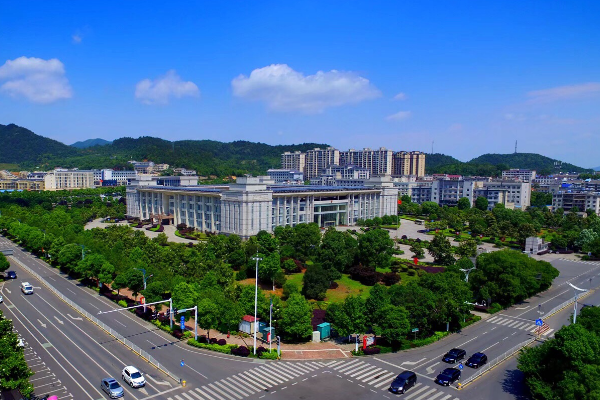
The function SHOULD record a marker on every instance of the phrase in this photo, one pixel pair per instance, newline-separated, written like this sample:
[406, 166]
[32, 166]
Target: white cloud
[77, 38]
[564, 92]
[37, 80]
[163, 88]
[399, 116]
[455, 127]
[284, 89]
[400, 96]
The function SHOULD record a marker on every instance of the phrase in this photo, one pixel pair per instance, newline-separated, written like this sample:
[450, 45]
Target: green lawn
[346, 288]
[9, 166]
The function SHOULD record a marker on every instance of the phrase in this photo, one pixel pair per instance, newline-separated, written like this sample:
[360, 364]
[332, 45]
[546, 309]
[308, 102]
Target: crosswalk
[250, 382]
[580, 261]
[379, 379]
[529, 326]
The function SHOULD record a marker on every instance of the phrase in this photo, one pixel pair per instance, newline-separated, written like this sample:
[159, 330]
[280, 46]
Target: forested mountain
[19, 145]
[208, 157]
[542, 164]
[433, 161]
[90, 143]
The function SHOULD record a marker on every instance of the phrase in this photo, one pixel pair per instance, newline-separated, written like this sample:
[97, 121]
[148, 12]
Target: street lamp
[467, 271]
[144, 276]
[257, 259]
[576, 291]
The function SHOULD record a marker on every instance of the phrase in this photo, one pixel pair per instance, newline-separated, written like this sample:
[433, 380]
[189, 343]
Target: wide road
[68, 353]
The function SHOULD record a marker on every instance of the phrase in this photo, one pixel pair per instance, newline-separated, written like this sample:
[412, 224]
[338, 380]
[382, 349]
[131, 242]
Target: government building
[253, 204]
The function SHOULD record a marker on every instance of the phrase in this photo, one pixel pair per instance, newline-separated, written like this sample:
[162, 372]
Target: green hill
[544, 165]
[20, 145]
[84, 144]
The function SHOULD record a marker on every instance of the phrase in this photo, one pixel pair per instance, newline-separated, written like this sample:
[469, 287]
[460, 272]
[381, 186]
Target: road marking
[58, 320]
[8, 290]
[522, 308]
[42, 324]
[75, 318]
[157, 381]
[362, 372]
[120, 323]
[384, 380]
[438, 394]
[71, 291]
[431, 369]
[423, 395]
[490, 346]
[371, 374]
[414, 362]
[94, 306]
[413, 394]
[199, 373]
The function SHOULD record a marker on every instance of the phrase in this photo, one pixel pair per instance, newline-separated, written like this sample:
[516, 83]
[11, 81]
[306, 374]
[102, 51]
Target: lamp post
[257, 259]
[576, 291]
[82, 251]
[467, 271]
[144, 276]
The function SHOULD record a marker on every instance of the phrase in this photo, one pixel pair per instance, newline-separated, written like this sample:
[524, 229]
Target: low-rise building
[22, 184]
[289, 176]
[68, 179]
[525, 175]
[583, 200]
[185, 172]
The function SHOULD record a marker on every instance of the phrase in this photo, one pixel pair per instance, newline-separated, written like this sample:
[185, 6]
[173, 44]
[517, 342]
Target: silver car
[112, 388]
[133, 377]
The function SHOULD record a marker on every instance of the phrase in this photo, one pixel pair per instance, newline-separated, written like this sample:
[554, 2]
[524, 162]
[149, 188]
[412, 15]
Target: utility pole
[257, 259]
[576, 290]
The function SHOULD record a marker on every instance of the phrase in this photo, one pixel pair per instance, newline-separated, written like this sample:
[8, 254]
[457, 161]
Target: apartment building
[347, 172]
[251, 205]
[319, 159]
[518, 193]
[378, 161]
[67, 179]
[293, 161]
[409, 163]
[286, 176]
[183, 171]
[525, 175]
[583, 200]
[22, 184]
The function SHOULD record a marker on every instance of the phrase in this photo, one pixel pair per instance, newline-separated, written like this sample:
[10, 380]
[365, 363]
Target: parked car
[476, 360]
[112, 388]
[454, 356]
[1, 298]
[133, 377]
[448, 376]
[403, 382]
[11, 275]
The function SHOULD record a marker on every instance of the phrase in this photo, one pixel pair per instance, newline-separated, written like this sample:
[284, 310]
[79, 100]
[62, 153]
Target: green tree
[296, 318]
[377, 300]
[14, 373]
[463, 203]
[441, 250]
[417, 250]
[349, 317]
[4, 264]
[69, 256]
[375, 248]
[585, 239]
[315, 282]
[209, 315]
[467, 248]
[393, 324]
[481, 203]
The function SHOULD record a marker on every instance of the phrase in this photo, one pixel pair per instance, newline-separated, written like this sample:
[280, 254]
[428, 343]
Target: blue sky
[472, 77]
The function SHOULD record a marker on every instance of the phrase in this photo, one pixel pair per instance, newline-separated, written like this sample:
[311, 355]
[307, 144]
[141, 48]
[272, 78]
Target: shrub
[241, 351]
[390, 278]
[269, 355]
[226, 349]
[260, 350]
[122, 303]
[411, 272]
[369, 351]
[221, 342]
[213, 340]
[494, 308]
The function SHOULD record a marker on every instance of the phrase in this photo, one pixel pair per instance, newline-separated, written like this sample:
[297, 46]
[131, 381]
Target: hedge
[226, 349]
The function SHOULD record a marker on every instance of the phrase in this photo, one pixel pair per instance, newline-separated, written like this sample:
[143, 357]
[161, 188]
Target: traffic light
[174, 311]
[155, 314]
[278, 340]
[168, 313]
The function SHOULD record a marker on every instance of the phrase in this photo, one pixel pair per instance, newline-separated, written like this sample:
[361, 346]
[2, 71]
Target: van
[26, 288]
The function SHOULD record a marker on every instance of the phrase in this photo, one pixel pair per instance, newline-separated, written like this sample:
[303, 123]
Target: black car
[454, 355]
[11, 275]
[448, 376]
[476, 360]
[403, 382]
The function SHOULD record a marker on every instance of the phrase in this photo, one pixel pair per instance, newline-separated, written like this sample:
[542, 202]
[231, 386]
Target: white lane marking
[226, 388]
[270, 375]
[431, 368]
[414, 362]
[413, 394]
[258, 376]
[423, 395]
[489, 347]
[247, 385]
[520, 325]
[71, 291]
[216, 389]
[512, 325]
[384, 380]
[346, 364]
[245, 391]
[435, 396]
[349, 366]
[94, 306]
[198, 372]
[363, 372]
[360, 368]
[74, 318]
[120, 323]
[371, 374]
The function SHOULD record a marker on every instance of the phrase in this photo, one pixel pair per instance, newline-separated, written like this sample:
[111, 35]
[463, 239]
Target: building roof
[249, 318]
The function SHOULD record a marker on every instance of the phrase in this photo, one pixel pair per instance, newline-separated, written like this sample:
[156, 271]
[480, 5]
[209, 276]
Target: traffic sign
[182, 323]
[539, 322]
[415, 330]
[460, 366]
[182, 363]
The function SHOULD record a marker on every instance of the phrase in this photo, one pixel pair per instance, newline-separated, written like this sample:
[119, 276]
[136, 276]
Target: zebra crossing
[250, 382]
[529, 326]
[379, 379]
[580, 261]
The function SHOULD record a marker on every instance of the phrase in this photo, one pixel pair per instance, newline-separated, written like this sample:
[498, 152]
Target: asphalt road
[213, 376]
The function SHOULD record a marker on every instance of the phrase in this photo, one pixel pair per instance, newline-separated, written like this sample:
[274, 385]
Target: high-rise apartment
[409, 163]
[295, 161]
[378, 162]
[319, 159]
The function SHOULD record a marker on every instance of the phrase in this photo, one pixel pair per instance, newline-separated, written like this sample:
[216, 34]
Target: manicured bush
[226, 349]
[390, 278]
[241, 351]
[260, 350]
[122, 303]
[213, 340]
[369, 351]
[266, 355]
[221, 342]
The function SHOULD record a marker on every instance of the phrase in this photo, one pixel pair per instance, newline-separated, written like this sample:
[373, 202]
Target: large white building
[251, 205]
[103, 176]
[583, 200]
[319, 159]
[525, 175]
[286, 176]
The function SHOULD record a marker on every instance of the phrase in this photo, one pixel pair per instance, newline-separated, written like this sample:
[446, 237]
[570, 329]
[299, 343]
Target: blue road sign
[182, 319]
[182, 323]
[460, 366]
[182, 363]
[539, 322]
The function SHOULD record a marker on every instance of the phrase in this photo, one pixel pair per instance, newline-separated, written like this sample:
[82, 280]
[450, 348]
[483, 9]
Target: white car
[133, 377]
[1, 299]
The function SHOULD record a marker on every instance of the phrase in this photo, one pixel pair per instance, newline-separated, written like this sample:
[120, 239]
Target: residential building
[4, 174]
[22, 184]
[184, 172]
[290, 176]
[494, 196]
[252, 204]
[143, 167]
[525, 175]
[67, 179]
[319, 159]
[409, 163]
[163, 167]
[378, 161]
[37, 175]
[293, 161]
[347, 172]
[447, 192]
[517, 192]
[583, 200]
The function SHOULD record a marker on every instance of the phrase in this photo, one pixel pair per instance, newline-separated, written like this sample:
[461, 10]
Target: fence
[108, 329]
[496, 361]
